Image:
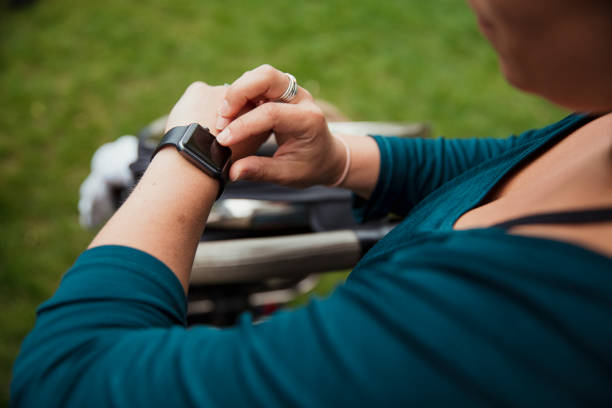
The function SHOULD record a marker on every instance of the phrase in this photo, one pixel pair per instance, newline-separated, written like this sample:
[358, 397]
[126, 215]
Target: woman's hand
[198, 104]
[307, 152]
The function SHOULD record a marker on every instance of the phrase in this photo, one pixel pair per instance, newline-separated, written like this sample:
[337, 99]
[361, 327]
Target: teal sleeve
[114, 335]
[411, 168]
[438, 324]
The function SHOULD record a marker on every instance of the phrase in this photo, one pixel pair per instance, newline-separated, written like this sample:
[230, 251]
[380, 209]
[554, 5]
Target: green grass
[74, 75]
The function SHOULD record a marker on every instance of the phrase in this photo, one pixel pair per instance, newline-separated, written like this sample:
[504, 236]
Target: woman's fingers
[280, 117]
[257, 168]
[264, 83]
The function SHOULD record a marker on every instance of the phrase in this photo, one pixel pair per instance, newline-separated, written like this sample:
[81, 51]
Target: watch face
[204, 145]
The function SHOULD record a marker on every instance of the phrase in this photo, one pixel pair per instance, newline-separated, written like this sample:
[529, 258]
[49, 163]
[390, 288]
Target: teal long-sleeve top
[429, 317]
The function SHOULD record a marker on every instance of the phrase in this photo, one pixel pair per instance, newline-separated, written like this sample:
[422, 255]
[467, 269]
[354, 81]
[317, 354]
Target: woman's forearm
[165, 214]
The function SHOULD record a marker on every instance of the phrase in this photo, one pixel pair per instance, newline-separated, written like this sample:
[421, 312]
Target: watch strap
[171, 138]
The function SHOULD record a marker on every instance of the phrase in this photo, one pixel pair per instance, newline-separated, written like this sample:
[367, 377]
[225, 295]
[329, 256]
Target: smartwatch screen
[204, 145]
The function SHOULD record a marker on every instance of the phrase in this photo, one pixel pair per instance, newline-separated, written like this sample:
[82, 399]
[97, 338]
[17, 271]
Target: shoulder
[500, 311]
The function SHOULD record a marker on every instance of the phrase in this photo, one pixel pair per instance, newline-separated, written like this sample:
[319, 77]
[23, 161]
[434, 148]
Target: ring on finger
[291, 90]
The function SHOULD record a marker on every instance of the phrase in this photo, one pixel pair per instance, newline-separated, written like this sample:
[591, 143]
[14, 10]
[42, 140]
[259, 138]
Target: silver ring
[291, 90]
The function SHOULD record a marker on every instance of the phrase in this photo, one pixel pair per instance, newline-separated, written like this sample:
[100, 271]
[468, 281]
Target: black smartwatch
[201, 148]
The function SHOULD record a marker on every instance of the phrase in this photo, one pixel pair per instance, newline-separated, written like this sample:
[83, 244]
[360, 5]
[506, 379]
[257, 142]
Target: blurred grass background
[74, 75]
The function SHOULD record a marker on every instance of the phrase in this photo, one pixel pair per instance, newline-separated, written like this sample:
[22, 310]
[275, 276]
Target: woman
[450, 308]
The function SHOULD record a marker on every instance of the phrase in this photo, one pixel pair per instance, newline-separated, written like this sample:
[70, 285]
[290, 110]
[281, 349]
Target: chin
[515, 78]
[574, 95]
[575, 105]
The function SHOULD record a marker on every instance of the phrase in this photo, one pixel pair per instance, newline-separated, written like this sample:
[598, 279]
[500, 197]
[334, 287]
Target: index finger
[264, 83]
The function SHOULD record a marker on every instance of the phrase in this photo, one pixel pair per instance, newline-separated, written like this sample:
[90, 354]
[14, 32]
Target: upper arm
[112, 341]
[114, 335]
[441, 324]
[356, 348]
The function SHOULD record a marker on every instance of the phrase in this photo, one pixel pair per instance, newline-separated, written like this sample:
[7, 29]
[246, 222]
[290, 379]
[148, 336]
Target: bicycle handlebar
[255, 259]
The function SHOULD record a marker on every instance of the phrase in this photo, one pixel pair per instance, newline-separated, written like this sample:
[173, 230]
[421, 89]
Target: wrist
[341, 163]
[171, 169]
[364, 165]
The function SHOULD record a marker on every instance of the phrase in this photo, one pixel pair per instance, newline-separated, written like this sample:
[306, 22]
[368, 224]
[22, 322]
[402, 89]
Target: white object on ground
[110, 168]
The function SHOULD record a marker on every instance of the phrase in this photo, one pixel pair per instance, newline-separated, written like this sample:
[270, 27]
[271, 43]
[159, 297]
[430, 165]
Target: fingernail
[224, 110]
[224, 136]
[243, 174]
[222, 122]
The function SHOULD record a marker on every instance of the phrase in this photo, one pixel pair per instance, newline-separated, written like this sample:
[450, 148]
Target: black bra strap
[563, 217]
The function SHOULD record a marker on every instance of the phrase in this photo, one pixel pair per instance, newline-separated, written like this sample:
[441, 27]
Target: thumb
[257, 168]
